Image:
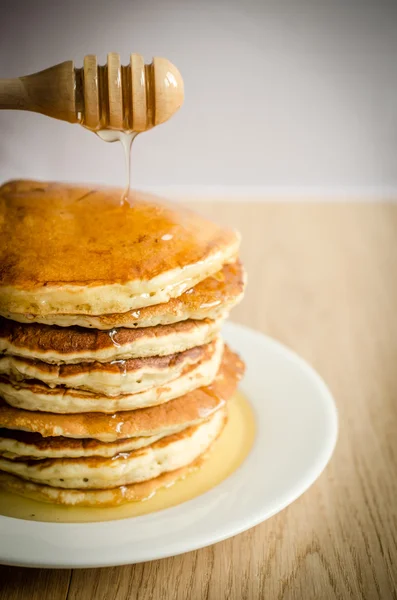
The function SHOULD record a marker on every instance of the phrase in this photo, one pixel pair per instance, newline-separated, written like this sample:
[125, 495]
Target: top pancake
[75, 250]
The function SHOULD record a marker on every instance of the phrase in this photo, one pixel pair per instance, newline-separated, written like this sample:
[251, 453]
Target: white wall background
[282, 96]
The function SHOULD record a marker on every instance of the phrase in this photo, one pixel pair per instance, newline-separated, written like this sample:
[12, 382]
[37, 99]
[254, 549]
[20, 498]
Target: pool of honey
[227, 454]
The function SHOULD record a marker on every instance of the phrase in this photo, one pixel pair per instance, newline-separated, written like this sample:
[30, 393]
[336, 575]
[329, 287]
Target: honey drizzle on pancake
[227, 454]
[111, 250]
[112, 334]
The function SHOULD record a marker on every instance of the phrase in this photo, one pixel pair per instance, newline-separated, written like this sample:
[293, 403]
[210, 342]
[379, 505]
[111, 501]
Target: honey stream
[125, 138]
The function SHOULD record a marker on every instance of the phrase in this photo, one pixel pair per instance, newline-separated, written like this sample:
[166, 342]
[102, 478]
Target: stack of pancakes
[114, 379]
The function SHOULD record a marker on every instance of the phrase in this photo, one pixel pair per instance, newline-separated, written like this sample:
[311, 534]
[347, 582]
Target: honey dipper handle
[50, 92]
[12, 94]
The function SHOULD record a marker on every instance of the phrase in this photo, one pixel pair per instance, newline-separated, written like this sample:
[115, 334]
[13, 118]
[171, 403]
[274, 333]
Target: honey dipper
[135, 97]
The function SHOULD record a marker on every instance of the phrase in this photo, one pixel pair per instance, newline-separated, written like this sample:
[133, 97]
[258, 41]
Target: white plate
[296, 434]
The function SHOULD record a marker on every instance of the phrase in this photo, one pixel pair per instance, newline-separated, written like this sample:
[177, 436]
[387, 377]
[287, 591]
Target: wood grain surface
[323, 280]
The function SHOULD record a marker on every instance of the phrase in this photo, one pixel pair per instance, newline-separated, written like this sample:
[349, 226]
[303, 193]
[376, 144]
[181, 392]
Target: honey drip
[112, 334]
[125, 138]
[226, 455]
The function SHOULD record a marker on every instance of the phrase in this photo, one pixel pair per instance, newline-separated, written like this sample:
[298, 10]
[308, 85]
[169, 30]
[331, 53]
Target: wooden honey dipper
[124, 98]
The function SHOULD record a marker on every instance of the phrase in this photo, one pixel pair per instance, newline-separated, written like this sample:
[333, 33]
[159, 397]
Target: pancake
[135, 492]
[33, 395]
[16, 444]
[74, 345]
[170, 453]
[212, 299]
[111, 379]
[69, 249]
[186, 410]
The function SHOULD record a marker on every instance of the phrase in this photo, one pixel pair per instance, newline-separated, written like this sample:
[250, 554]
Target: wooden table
[322, 279]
